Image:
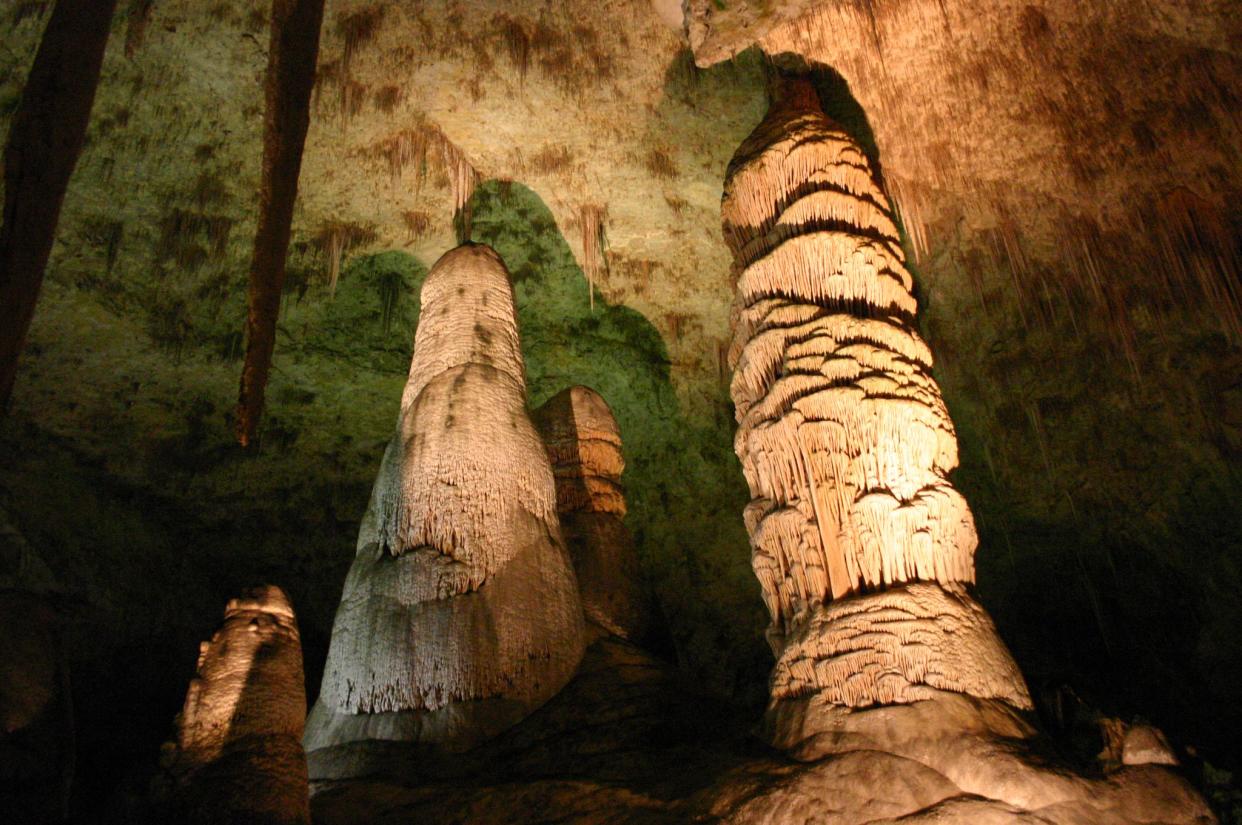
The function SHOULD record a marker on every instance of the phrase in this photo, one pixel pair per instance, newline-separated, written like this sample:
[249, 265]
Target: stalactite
[238, 752]
[461, 612]
[591, 219]
[844, 439]
[421, 145]
[292, 51]
[45, 138]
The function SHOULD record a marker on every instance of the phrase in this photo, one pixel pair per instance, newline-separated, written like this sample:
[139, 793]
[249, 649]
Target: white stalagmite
[844, 439]
[461, 612]
[584, 446]
[238, 754]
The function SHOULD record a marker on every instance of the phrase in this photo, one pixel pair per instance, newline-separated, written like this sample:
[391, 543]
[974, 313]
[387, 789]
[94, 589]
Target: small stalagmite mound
[584, 446]
[238, 752]
[461, 611]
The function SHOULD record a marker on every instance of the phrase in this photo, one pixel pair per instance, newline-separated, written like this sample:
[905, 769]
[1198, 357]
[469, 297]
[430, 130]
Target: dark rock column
[290, 77]
[45, 140]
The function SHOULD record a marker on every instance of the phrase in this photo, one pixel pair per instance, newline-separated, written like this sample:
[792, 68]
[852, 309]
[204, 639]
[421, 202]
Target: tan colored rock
[461, 612]
[584, 446]
[1146, 745]
[844, 439]
[864, 550]
[238, 753]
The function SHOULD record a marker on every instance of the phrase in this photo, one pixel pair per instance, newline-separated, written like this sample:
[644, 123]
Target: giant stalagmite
[461, 612]
[862, 547]
[844, 439]
[238, 753]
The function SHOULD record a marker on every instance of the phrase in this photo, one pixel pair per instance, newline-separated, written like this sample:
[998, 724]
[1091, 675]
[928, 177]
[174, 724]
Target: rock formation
[45, 138]
[238, 753]
[843, 436]
[584, 446]
[293, 48]
[861, 545]
[461, 612]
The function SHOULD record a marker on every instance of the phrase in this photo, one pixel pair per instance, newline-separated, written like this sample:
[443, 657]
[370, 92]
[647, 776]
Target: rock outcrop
[461, 612]
[584, 446]
[238, 753]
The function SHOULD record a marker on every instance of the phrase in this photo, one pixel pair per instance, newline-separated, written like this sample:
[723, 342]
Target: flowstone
[461, 612]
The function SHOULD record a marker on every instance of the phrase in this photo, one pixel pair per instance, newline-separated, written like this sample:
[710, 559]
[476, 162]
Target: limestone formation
[844, 439]
[584, 446]
[238, 753]
[863, 548]
[461, 612]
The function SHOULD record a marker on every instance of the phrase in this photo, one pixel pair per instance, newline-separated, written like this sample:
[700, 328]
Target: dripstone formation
[461, 612]
[584, 446]
[844, 439]
[862, 546]
[238, 753]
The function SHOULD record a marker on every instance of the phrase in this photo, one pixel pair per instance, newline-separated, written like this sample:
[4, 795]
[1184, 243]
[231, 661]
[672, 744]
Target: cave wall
[1099, 425]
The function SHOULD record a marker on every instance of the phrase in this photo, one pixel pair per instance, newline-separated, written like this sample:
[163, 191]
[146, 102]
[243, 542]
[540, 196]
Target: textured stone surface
[238, 756]
[584, 446]
[1104, 496]
[844, 439]
[627, 742]
[461, 612]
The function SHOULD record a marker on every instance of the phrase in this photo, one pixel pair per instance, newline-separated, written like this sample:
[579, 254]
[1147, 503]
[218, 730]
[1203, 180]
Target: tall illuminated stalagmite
[238, 753]
[861, 544]
[461, 612]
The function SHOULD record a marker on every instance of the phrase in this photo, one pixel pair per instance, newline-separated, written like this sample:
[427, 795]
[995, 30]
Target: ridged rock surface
[238, 752]
[584, 446]
[461, 612]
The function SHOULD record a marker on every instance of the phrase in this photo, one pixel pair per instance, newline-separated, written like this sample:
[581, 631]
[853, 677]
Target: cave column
[862, 546]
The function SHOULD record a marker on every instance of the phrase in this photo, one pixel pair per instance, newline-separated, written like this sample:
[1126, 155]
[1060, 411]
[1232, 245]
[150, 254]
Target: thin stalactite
[293, 51]
[45, 139]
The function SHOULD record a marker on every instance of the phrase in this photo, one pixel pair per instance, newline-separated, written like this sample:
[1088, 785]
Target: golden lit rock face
[461, 612]
[844, 439]
[584, 446]
[843, 436]
[238, 751]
